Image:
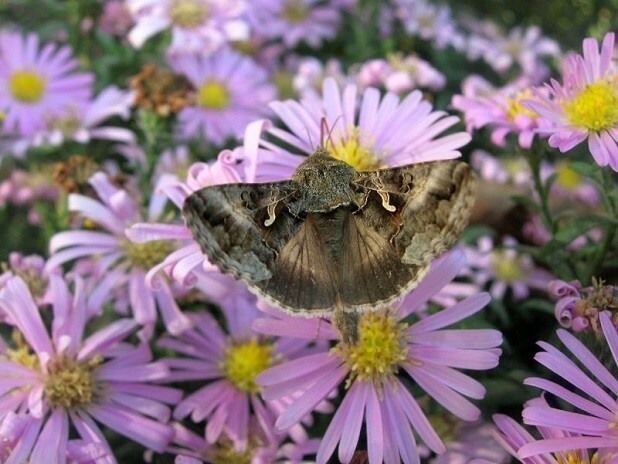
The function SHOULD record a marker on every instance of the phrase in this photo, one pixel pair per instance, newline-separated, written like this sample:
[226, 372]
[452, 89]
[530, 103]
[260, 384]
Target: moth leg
[270, 209]
[386, 201]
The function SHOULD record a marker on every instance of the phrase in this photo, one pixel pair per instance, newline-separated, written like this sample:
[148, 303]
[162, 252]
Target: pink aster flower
[535, 230]
[430, 22]
[37, 82]
[368, 134]
[115, 18]
[472, 444]
[569, 186]
[503, 268]
[500, 109]
[31, 269]
[310, 72]
[513, 170]
[119, 263]
[82, 123]
[230, 362]
[387, 345]
[399, 74]
[231, 91]
[513, 436]
[578, 308]
[68, 382]
[584, 106]
[198, 26]
[24, 189]
[590, 389]
[526, 47]
[294, 21]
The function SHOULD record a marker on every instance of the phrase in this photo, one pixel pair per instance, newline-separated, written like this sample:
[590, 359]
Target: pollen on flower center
[595, 108]
[188, 13]
[380, 348]
[149, 254]
[567, 177]
[514, 107]
[213, 95]
[22, 354]
[27, 86]
[351, 151]
[226, 453]
[243, 362]
[70, 384]
[506, 267]
[295, 11]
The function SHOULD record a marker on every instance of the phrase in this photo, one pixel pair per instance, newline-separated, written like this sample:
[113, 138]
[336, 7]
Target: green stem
[534, 161]
[610, 231]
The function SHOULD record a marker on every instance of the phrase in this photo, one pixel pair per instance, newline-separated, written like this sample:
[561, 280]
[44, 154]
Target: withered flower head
[160, 90]
[72, 174]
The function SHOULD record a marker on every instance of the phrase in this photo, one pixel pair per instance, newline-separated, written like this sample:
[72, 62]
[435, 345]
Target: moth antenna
[326, 132]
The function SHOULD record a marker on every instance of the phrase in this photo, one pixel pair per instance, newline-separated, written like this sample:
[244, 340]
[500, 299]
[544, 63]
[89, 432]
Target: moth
[332, 238]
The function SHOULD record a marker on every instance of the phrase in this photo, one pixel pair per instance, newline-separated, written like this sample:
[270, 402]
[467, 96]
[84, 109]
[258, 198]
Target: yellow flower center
[188, 13]
[352, 152]
[295, 11]
[149, 254]
[567, 177]
[575, 457]
[506, 267]
[595, 108]
[70, 384]
[27, 86]
[22, 354]
[379, 349]
[213, 95]
[243, 362]
[514, 107]
[227, 454]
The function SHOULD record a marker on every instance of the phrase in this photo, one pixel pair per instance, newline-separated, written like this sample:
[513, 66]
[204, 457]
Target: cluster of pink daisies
[124, 334]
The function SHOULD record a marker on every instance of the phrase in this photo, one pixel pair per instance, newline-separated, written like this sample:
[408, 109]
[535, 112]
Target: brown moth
[332, 239]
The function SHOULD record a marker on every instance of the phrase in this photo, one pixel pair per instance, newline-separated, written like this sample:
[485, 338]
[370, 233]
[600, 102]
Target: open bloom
[386, 346]
[500, 109]
[230, 362]
[197, 25]
[294, 21]
[231, 91]
[37, 82]
[513, 436]
[585, 105]
[119, 263]
[371, 134]
[504, 268]
[589, 387]
[68, 382]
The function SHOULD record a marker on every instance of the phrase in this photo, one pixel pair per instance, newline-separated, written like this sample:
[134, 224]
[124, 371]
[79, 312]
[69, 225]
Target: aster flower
[231, 91]
[31, 269]
[525, 47]
[513, 436]
[513, 170]
[535, 230]
[429, 22]
[591, 391]
[82, 123]
[387, 344]
[25, 189]
[37, 82]
[471, 444]
[115, 18]
[197, 25]
[501, 109]
[230, 362]
[505, 268]
[569, 186]
[399, 74]
[294, 21]
[119, 263]
[584, 106]
[370, 134]
[578, 308]
[68, 382]
[309, 74]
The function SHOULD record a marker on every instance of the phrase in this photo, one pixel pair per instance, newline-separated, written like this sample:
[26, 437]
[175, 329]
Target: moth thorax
[325, 183]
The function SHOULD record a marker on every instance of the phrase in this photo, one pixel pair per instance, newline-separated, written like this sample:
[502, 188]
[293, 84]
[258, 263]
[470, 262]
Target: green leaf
[585, 169]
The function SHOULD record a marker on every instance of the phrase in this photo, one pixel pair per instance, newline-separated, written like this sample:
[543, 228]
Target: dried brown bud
[160, 90]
